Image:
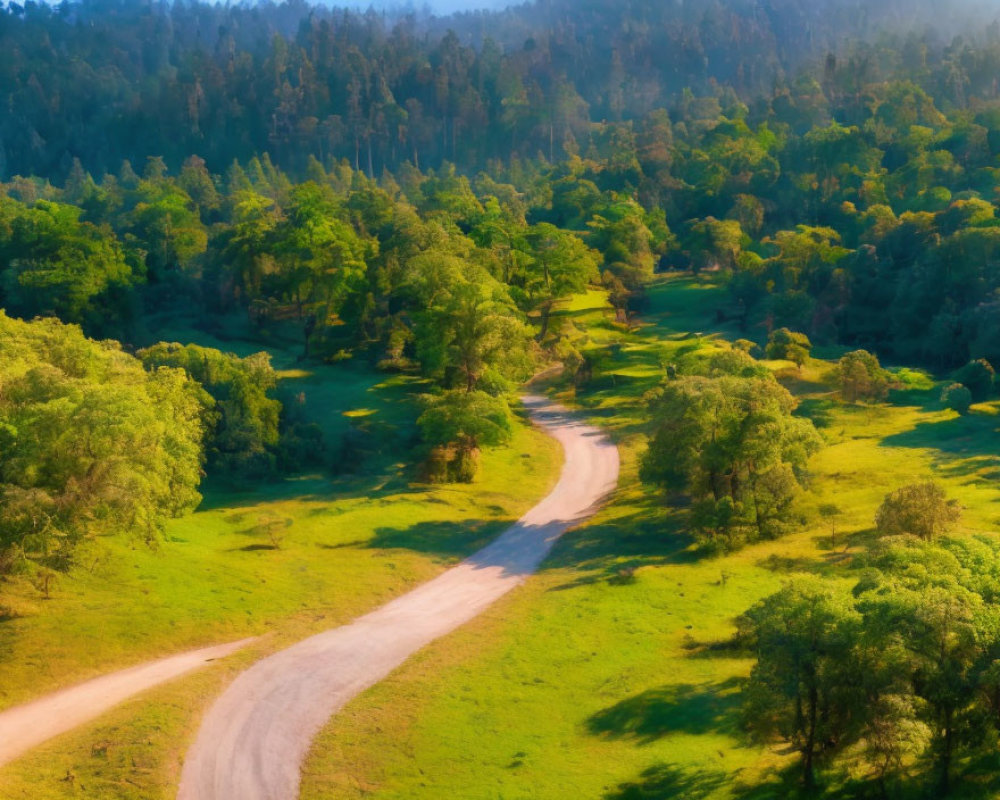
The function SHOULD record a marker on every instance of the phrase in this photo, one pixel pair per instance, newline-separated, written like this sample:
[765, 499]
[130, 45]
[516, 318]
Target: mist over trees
[295, 80]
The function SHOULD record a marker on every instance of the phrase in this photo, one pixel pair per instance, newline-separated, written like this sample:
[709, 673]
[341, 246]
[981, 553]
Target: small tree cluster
[90, 443]
[242, 415]
[732, 443]
[920, 509]
[861, 377]
[787, 345]
[957, 397]
[902, 671]
[893, 670]
[978, 377]
[455, 425]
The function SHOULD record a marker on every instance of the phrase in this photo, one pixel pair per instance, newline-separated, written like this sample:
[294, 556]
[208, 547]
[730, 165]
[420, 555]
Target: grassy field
[595, 681]
[286, 560]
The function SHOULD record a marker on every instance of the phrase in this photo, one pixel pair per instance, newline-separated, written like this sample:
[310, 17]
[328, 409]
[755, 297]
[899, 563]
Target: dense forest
[423, 196]
[849, 190]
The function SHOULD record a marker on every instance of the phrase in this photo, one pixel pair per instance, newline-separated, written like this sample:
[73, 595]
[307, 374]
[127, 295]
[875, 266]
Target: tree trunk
[809, 750]
[944, 763]
[546, 312]
[713, 479]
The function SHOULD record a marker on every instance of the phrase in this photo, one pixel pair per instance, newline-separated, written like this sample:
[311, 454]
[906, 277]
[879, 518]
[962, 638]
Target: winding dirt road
[253, 740]
[27, 726]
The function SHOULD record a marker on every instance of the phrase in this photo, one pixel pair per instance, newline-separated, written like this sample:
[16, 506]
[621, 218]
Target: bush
[861, 377]
[920, 509]
[957, 398]
[787, 345]
[455, 425]
[978, 377]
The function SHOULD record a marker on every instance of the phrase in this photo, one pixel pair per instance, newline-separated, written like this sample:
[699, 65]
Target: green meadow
[280, 562]
[612, 673]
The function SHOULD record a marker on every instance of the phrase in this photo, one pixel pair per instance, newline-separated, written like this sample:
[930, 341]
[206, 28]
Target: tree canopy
[90, 442]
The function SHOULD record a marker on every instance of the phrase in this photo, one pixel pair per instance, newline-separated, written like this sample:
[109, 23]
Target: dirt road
[27, 726]
[253, 740]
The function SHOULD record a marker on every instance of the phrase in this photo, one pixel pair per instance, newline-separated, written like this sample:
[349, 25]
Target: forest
[788, 214]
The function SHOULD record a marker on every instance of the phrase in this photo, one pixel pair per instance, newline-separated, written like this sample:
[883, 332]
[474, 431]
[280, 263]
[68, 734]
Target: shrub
[789, 346]
[978, 377]
[920, 509]
[957, 398]
[861, 377]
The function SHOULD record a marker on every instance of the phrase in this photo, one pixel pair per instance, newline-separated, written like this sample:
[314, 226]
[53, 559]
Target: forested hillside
[104, 81]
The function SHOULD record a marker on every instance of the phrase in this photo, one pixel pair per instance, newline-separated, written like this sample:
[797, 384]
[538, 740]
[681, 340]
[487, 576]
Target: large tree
[733, 444]
[90, 442]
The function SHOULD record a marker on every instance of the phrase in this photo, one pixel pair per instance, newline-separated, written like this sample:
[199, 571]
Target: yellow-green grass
[610, 673]
[282, 560]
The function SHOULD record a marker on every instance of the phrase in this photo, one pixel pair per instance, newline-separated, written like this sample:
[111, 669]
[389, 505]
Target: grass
[283, 561]
[609, 674]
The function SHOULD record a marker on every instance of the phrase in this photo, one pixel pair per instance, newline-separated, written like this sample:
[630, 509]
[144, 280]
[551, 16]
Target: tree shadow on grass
[670, 781]
[605, 551]
[963, 445]
[818, 410]
[685, 708]
[444, 540]
[316, 487]
[666, 781]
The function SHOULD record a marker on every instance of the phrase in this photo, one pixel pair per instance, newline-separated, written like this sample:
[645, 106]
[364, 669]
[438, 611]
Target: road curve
[253, 740]
[27, 726]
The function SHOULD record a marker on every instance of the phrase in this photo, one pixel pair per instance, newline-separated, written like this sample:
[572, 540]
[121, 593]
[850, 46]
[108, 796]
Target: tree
[918, 594]
[860, 377]
[620, 232]
[714, 242]
[164, 222]
[56, 264]
[978, 377]
[321, 259]
[90, 443]
[957, 398]
[831, 512]
[733, 444]
[561, 265]
[456, 424]
[787, 345]
[920, 509]
[240, 415]
[468, 327]
[803, 688]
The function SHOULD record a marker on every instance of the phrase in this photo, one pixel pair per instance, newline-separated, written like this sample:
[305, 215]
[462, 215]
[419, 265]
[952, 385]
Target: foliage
[732, 443]
[90, 443]
[860, 377]
[787, 345]
[978, 377]
[241, 417]
[902, 667]
[802, 687]
[920, 509]
[455, 425]
[957, 397]
[52, 263]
